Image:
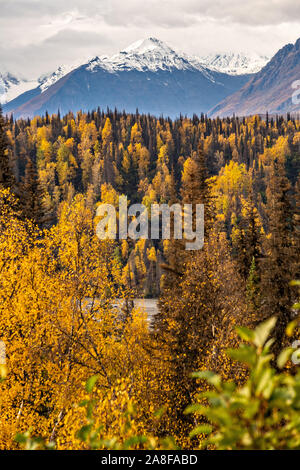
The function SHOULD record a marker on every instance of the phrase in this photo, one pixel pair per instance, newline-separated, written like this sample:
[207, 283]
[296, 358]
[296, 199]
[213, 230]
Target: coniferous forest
[83, 374]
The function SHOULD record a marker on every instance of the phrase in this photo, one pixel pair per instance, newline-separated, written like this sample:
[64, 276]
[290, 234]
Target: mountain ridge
[270, 90]
[131, 79]
[235, 63]
[12, 85]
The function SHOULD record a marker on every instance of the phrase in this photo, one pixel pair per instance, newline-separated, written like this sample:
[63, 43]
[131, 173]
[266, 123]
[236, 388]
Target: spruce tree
[248, 243]
[6, 175]
[296, 221]
[182, 314]
[31, 195]
[277, 266]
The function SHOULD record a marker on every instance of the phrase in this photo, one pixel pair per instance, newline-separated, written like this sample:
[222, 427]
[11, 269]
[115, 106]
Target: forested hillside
[151, 160]
[54, 171]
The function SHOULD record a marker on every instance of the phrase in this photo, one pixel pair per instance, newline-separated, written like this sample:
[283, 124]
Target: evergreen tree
[7, 179]
[296, 221]
[253, 291]
[32, 195]
[248, 240]
[180, 319]
[277, 272]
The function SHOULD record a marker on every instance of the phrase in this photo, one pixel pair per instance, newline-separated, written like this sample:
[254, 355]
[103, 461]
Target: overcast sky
[36, 36]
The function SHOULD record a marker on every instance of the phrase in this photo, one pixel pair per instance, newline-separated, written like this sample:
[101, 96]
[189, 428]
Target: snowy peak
[12, 86]
[149, 54]
[152, 54]
[146, 45]
[46, 81]
[148, 75]
[145, 55]
[235, 63]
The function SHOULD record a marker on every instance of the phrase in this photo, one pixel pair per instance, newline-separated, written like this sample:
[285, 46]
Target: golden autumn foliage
[67, 299]
[60, 326]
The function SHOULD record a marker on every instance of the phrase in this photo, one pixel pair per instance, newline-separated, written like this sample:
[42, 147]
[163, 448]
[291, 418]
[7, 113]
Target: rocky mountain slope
[271, 89]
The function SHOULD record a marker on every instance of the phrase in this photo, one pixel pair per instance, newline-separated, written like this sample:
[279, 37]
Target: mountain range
[12, 86]
[147, 75]
[235, 63]
[270, 89]
[152, 77]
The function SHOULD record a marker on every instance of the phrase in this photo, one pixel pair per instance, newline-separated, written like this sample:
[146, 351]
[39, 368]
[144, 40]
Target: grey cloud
[38, 35]
[41, 8]
[49, 54]
[80, 39]
[167, 12]
[250, 12]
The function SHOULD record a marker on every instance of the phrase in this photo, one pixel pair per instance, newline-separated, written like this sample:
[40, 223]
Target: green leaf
[91, 382]
[262, 331]
[196, 408]
[245, 333]
[201, 429]
[251, 409]
[284, 356]
[264, 380]
[21, 438]
[281, 397]
[210, 377]
[244, 354]
[268, 345]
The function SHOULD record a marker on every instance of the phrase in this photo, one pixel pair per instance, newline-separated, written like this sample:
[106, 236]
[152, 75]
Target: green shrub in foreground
[264, 413]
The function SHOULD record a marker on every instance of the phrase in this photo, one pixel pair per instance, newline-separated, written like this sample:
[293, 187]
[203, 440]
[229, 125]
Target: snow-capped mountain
[151, 76]
[271, 89]
[235, 63]
[45, 81]
[12, 86]
[148, 75]
[152, 55]
[19, 90]
[147, 55]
